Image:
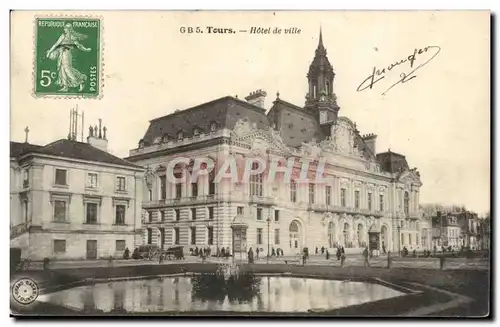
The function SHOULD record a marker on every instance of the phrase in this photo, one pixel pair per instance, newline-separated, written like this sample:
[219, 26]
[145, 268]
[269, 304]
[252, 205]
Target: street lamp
[268, 222]
[400, 225]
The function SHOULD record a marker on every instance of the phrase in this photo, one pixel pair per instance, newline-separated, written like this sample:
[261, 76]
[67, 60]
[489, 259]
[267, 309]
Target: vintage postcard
[213, 163]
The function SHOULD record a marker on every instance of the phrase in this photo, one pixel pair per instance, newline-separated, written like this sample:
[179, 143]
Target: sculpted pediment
[260, 140]
[411, 176]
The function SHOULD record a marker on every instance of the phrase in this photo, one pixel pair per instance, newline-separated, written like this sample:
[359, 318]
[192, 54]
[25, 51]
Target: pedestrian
[342, 258]
[366, 255]
[327, 255]
[250, 255]
[257, 253]
[160, 258]
[228, 252]
[222, 252]
[316, 251]
[196, 252]
[338, 254]
[126, 254]
[383, 248]
[273, 252]
[389, 259]
[322, 250]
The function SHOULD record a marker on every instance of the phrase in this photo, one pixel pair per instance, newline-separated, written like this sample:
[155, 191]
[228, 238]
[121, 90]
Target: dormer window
[196, 132]
[164, 138]
[327, 88]
[157, 140]
[180, 136]
[141, 144]
[213, 127]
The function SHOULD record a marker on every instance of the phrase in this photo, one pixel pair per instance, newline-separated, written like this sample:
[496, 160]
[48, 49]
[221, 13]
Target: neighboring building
[458, 229]
[73, 200]
[368, 195]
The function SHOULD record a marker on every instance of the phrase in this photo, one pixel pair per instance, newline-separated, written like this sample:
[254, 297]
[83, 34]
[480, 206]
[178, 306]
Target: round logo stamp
[25, 291]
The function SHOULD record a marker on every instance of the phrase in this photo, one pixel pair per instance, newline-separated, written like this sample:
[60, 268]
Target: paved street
[351, 261]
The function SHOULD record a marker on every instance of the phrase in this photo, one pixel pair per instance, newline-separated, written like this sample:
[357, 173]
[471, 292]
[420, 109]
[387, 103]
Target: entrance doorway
[91, 249]
[295, 235]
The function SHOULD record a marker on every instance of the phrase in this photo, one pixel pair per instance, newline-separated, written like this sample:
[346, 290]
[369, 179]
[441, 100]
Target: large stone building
[370, 198]
[73, 200]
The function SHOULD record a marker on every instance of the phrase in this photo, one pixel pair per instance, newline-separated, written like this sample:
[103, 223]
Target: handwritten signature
[379, 74]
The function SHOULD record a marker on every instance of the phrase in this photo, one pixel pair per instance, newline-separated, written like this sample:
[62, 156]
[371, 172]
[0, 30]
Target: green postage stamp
[68, 57]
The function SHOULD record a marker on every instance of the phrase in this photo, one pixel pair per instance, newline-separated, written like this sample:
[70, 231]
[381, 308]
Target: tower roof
[320, 58]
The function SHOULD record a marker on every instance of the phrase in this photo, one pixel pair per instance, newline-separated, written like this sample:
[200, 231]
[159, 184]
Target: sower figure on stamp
[68, 76]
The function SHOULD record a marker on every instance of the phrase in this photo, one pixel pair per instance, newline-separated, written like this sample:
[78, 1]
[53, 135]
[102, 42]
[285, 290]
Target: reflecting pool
[268, 294]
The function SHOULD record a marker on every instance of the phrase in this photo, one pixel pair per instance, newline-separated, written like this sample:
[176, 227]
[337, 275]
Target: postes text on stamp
[68, 57]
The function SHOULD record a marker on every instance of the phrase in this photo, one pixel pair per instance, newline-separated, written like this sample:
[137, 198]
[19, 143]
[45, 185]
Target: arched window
[256, 181]
[327, 87]
[360, 235]
[345, 234]
[383, 235]
[407, 204]
[331, 235]
[314, 91]
[211, 182]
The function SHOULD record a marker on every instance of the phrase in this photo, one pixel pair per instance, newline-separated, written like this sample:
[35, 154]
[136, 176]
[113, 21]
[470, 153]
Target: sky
[440, 120]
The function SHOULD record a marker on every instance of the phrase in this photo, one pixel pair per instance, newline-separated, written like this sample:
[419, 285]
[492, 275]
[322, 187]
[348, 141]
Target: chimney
[257, 98]
[97, 138]
[370, 141]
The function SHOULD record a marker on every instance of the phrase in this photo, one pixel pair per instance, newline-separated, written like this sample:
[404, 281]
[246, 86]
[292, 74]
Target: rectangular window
[381, 204]
[61, 176]
[342, 197]
[59, 211]
[259, 213]
[178, 190]
[293, 191]
[311, 193]
[177, 214]
[259, 236]
[177, 236]
[163, 215]
[328, 195]
[92, 180]
[150, 235]
[210, 212]
[25, 209]
[121, 184]
[409, 238]
[356, 199]
[150, 216]
[276, 236]
[417, 240]
[276, 215]
[120, 215]
[211, 187]
[369, 201]
[194, 189]
[193, 213]
[163, 187]
[91, 213]
[193, 235]
[239, 210]
[59, 246]
[120, 245]
[210, 236]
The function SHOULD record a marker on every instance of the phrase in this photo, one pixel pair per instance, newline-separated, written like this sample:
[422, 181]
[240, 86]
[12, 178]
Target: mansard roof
[392, 162]
[224, 112]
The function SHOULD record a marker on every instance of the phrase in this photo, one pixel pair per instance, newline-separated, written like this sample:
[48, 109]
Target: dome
[241, 221]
